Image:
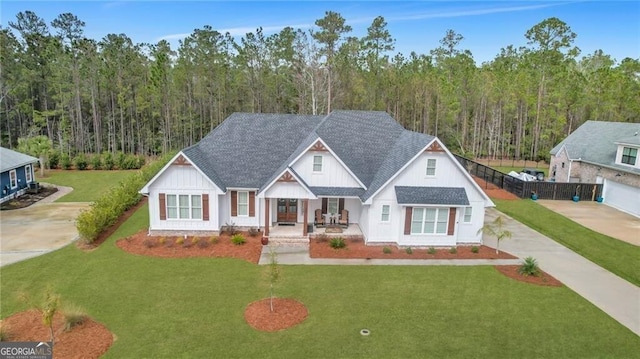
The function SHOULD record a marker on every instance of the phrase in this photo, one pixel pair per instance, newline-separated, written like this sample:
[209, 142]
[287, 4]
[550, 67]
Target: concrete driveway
[38, 229]
[600, 218]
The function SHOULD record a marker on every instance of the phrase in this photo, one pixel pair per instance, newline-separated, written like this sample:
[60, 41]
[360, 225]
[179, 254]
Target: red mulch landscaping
[87, 340]
[543, 279]
[168, 246]
[494, 191]
[286, 314]
[319, 248]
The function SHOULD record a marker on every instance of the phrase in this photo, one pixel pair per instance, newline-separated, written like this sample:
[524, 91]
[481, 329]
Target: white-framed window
[429, 220]
[317, 163]
[13, 178]
[243, 203]
[431, 167]
[385, 213]
[28, 175]
[629, 156]
[332, 205]
[467, 214]
[184, 206]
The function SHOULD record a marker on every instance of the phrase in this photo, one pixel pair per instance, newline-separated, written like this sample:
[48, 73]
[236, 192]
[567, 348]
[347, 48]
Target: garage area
[621, 196]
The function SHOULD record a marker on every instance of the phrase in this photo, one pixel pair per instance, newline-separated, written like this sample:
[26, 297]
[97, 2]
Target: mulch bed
[169, 246]
[28, 199]
[87, 340]
[543, 279]
[319, 248]
[286, 314]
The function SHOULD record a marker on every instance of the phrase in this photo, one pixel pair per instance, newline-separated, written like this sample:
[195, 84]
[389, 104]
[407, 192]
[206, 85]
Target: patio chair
[344, 218]
[319, 221]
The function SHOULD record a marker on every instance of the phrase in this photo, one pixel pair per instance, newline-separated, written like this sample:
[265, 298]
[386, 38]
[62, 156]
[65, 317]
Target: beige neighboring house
[602, 152]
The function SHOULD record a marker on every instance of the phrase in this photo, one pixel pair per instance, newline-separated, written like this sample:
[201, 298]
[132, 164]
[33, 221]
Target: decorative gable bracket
[434, 147]
[318, 147]
[287, 177]
[181, 161]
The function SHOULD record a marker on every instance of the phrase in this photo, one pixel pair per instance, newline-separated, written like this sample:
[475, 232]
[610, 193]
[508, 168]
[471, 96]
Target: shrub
[149, 242]
[230, 229]
[107, 208]
[4, 332]
[337, 243]
[475, 249]
[120, 159]
[202, 243]
[162, 241]
[54, 159]
[109, 162]
[141, 161]
[529, 267]
[238, 239]
[453, 250]
[386, 250]
[73, 316]
[254, 231]
[96, 161]
[431, 250]
[180, 241]
[409, 250]
[129, 162]
[65, 161]
[80, 161]
[214, 239]
[322, 238]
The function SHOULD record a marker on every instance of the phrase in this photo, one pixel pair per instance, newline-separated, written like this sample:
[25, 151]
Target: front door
[287, 210]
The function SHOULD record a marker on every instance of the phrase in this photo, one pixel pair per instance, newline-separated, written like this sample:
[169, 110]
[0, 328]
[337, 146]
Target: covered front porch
[295, 230]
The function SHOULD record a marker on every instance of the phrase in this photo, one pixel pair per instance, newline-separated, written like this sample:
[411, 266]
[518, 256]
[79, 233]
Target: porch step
[289, 240]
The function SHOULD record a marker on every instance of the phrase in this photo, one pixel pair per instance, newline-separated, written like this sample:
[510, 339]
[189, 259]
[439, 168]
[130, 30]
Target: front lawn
[620, 258]
[87, 185]
[193, 308]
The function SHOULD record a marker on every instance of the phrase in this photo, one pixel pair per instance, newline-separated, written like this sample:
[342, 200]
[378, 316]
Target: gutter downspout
[569, 173]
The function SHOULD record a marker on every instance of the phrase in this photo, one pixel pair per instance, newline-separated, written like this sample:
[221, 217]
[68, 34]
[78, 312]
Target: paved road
[38, 229]
[600, 218]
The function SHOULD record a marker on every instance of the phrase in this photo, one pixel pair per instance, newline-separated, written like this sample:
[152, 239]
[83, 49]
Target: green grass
[507, 169]
[87, 185]
[193, 308]
[618, 257]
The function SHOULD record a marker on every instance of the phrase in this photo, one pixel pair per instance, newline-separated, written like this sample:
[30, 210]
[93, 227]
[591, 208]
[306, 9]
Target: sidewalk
[612, 294]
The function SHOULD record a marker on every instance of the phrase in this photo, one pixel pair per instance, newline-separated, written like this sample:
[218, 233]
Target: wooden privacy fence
[524, 189]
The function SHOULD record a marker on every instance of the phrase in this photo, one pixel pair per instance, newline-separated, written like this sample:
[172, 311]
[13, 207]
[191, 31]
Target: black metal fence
[524, 189]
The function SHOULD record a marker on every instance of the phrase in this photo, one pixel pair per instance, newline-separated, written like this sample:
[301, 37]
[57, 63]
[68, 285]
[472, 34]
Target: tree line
[114, 95]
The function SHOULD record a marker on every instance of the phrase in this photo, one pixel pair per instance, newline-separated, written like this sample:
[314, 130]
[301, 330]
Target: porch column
[266, 216]
[305, 206]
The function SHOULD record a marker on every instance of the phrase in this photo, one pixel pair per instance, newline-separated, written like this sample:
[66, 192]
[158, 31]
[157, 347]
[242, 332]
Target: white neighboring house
[602, 152]
[260, 170]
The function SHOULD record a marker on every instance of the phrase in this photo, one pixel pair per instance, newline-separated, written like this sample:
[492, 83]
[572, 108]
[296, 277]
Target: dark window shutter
[340, 205]
[252, 204]
[205, 207]
[324, 205]
[407, 220]
[234, 203]
[163, 206]
[452, 221]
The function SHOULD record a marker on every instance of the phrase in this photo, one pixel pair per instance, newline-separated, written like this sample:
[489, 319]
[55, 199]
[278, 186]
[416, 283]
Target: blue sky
[487, 26]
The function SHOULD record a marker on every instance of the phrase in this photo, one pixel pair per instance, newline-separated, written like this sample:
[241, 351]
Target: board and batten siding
[287, 190]
[185, 180]
[228, 215]
[447, 175]
[333, 174]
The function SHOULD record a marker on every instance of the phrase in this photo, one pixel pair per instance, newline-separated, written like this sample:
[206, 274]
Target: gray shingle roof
[454, 196]
[10, 159]
[246, 149]
[595, 142]
[337, 191]
[250, 150]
